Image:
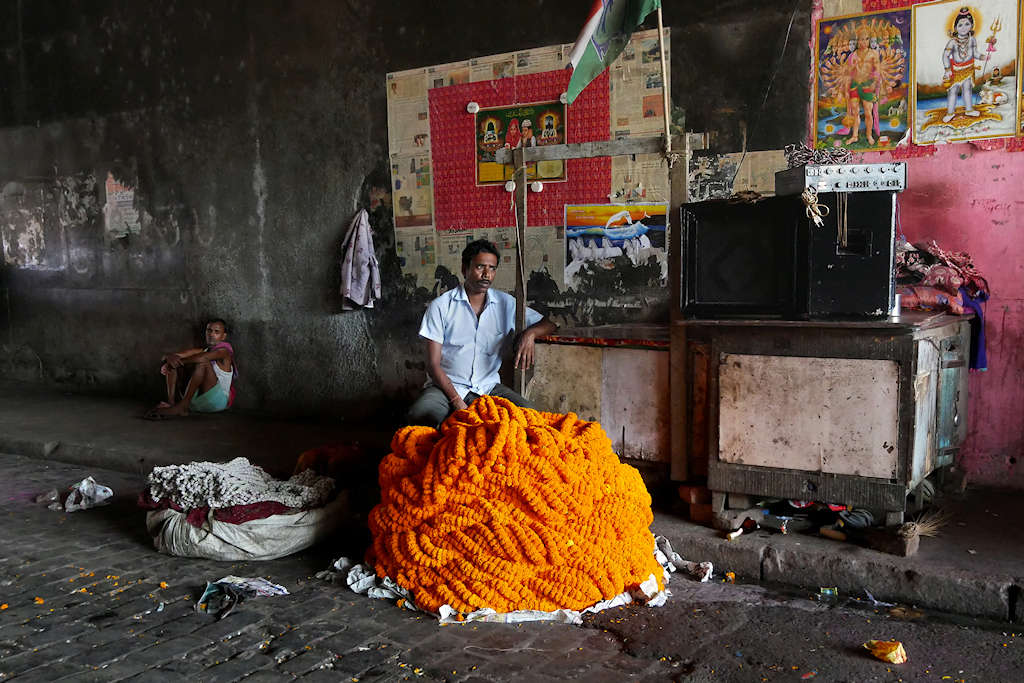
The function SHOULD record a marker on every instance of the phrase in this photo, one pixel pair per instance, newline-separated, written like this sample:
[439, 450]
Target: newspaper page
[417, 254]
[541, 59]
[492, 68]
[408, 123]
[413, 191]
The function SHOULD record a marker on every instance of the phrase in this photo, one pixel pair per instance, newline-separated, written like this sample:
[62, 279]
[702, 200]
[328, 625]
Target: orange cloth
[961, 71]
[512, 509]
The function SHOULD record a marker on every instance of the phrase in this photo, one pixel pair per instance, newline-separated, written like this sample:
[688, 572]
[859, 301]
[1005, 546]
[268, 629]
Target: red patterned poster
[460, 203]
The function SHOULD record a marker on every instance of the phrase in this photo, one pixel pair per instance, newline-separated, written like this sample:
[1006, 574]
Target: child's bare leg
[203, 379]
[172, 384]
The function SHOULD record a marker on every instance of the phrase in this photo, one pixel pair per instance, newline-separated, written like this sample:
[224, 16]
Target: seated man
[466, 330]
[209, 388]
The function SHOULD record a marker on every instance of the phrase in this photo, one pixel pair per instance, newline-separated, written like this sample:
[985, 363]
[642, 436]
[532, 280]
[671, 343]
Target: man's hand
[173, 360]
[524, 350]
[458, 403]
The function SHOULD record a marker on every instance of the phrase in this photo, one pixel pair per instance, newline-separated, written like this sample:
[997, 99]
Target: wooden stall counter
[617, 375]
[856, 412]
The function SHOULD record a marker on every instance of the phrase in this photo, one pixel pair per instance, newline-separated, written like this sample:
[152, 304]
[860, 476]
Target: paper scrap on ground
[363, 580]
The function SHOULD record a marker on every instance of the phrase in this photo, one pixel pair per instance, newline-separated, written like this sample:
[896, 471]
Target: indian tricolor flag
[608, 28]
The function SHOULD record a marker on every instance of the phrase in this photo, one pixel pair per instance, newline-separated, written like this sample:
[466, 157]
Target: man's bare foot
[852, 140]
[163, 404]
[871, 140]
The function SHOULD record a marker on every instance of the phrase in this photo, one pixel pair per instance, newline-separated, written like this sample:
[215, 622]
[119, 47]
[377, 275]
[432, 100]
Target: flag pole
[664, 87]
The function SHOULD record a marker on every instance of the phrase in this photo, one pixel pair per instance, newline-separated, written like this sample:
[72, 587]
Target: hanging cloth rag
[979, 359]
[360, 275]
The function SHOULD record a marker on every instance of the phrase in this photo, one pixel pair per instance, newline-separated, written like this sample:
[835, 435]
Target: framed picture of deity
[499, 130]
[862, 80]
[965, 85]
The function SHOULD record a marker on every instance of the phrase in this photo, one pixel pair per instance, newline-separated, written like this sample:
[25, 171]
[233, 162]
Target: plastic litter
[858, 519]
[220, 597]
[51, 496]
[827, 592]
[87, 494]
[876, 602]
[362, 579]
[887, 650]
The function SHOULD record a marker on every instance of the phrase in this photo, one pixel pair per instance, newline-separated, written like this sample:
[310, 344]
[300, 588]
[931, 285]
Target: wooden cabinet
[852, 412]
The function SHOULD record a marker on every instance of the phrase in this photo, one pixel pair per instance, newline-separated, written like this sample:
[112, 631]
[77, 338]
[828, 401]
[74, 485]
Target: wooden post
[664, 88]
[519, 381]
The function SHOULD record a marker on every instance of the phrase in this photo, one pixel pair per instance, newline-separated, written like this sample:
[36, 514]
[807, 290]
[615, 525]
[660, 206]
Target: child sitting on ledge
[210, 388]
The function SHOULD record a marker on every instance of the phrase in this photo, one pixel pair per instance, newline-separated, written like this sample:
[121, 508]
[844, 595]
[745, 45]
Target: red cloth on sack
[236, 514]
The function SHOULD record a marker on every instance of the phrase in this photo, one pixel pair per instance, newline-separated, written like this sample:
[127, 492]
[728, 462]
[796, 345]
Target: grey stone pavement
[975, 567]
[86, 598]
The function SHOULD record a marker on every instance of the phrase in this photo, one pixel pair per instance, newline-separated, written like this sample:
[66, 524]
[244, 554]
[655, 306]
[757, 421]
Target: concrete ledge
[109, 433]
[854, 570]
[948, 574]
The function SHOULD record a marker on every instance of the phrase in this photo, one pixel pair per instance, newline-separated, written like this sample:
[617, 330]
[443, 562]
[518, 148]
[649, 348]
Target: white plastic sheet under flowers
[363, 580]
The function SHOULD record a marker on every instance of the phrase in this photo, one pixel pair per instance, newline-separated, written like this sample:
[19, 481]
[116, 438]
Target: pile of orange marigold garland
[511, 509]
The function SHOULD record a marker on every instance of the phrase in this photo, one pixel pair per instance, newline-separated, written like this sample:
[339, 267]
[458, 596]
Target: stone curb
[810, 563]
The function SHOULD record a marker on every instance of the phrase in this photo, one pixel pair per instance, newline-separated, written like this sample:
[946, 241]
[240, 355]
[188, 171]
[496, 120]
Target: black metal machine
[823, 252]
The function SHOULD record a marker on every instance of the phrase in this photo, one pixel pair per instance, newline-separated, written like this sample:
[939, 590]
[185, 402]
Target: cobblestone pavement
[82, 596]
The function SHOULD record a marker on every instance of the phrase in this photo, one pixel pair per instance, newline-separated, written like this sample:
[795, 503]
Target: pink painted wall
[969, 199]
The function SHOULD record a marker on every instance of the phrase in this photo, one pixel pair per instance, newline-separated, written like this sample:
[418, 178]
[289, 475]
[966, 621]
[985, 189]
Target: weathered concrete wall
[252, 132]
[969, 199]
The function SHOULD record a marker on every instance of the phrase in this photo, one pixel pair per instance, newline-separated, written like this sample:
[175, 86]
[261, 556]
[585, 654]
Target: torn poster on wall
[862, 73]
[965, 70]
[630, 239]
[120, 217]
[719, 176]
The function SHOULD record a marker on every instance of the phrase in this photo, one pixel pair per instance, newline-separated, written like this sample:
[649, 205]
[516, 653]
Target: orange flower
[510, 508]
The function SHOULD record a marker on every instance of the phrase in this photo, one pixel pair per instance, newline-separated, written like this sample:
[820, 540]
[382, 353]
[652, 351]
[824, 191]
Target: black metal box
[769, 259]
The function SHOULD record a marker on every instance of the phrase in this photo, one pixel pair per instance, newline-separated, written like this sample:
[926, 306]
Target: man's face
[215, 333]
[479, 274]
[527, 131]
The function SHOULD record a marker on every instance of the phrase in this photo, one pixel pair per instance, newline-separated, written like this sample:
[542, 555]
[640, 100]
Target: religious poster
[500, 130]
[862, 80]
[965, 70]
[630, 239]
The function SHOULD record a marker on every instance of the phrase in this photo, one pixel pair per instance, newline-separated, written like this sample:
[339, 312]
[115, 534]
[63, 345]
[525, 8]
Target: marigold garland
[512, 509]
